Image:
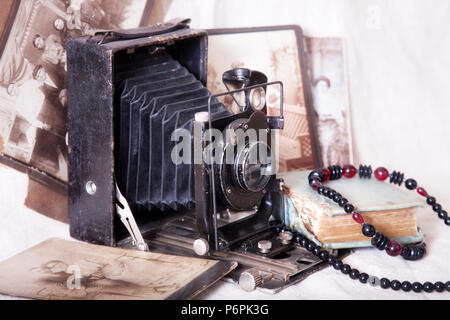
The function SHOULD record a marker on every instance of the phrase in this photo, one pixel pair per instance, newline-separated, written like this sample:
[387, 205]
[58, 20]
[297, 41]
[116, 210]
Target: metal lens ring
[257, 98]
[253, 166]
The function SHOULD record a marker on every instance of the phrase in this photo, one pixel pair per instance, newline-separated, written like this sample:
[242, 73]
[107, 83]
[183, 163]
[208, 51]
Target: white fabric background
[398, 65]
[398, 56]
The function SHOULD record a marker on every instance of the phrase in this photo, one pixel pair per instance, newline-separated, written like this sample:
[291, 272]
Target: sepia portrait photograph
[330, 96]
[33, 91]
[278, 54]
[58, 269]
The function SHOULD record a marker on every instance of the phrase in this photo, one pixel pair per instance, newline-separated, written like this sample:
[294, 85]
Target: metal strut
[127, 218]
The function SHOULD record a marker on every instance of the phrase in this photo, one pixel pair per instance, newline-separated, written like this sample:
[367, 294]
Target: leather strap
[171, 25]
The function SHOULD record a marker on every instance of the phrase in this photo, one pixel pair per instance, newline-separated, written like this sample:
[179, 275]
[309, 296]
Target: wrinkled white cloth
[398, 71]
[399, 74]
[21, 228]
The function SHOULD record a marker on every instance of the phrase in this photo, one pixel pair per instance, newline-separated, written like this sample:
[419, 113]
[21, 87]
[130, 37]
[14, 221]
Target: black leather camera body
[136, 96]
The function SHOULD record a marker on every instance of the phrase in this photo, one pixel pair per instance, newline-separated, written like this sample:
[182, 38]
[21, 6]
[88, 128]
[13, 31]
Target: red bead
[349, 171]
[422, 191]
[381, 173]
[315, 184]
[326, 175]
[357, 217]
[394, 248]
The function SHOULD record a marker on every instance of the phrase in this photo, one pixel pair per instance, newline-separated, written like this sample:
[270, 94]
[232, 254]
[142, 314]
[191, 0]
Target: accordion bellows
[389, 208]
[157, 96]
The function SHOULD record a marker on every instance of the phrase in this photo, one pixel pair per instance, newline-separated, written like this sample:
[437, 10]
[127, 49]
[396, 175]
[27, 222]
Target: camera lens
[253, 167]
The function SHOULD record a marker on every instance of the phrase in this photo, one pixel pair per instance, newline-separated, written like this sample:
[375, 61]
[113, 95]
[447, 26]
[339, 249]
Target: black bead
[298, 238]
[396, 177]
[315, 175]
[349, 208]
[323, 255]
[363, 277]
[431, 200]
[442, 214]
[325, 191]
[385, 283]
[310, 247]
[406, 286]
[439, 286]
[354, 274]
[304, 242]
[413, 251]
[368, 230]
[331, 260]
[335, 172]
[346, 269]
[365, 171]
[316, 251]
[447, 286]
[410, 184]
[320, 190]
[338, 265]
[447, 221]
[417, 287]
[314, 181]
[395, 285]
[337, 197]
[331, 193]
[380, 241]
[343, 202]
[437, 207]
[428, 287]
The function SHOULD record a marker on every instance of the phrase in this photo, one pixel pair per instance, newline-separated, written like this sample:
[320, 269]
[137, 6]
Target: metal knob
[202, 116]
[286, 237]
[201, 246]
[264, 246]
[250, 279]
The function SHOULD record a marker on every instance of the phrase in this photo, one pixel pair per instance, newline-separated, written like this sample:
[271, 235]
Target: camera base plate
[284, 265]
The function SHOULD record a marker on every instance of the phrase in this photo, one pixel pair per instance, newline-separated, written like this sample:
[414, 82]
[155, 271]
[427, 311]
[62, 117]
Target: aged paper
[63, 270]
[331, 101]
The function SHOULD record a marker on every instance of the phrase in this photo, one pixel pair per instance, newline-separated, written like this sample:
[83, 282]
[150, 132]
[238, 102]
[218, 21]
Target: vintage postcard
[58, 269]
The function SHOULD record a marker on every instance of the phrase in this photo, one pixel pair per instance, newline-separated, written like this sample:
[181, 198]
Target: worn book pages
[64, 270]
[391, 209]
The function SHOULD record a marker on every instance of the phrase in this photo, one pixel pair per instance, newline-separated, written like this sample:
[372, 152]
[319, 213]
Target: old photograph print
[33, 92]
[330, 96]
[276, 54]
[58, 269]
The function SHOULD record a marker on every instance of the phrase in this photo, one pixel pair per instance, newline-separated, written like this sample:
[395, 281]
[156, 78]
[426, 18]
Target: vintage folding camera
[158, 162]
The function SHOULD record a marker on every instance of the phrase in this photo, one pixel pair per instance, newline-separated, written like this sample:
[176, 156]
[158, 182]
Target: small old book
[389, 208]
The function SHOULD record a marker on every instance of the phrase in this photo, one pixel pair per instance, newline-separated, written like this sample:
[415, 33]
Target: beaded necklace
[316, 180]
